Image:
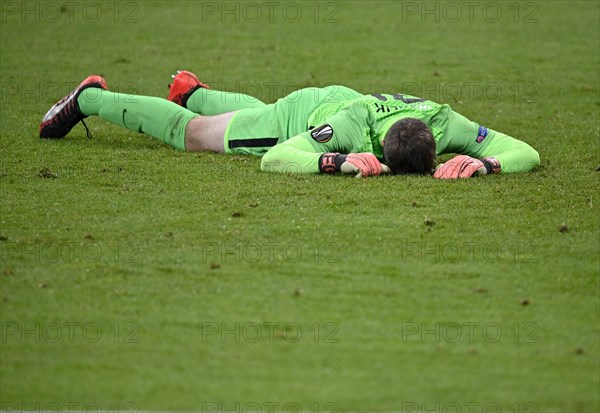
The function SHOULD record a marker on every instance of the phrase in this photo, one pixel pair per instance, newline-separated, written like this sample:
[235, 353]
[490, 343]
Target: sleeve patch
[322, 134]
[481, 134]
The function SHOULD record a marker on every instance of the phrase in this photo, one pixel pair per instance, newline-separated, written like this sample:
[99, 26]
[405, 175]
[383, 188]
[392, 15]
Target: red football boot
[65, 114]
[184, 84]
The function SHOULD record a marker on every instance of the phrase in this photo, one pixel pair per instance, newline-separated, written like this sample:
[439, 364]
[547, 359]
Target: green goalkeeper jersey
[360, 125]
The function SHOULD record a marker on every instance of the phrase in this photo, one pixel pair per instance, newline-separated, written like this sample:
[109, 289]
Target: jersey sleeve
[344, 132]
[465, 137]
[512, 154]
[296, 155]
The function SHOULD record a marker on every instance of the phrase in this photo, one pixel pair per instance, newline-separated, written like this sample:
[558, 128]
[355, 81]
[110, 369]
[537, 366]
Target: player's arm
[294, 155]
[504, 154]
[512, 155]
[482, 151]
[328, 148]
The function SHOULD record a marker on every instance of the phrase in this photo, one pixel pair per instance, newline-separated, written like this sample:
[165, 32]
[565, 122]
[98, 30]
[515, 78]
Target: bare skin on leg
[206, 133]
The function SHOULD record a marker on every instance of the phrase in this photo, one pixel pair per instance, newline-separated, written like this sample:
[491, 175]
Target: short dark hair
[409, 147]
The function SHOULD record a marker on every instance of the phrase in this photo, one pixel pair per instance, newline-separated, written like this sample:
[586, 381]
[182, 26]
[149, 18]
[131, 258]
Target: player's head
[409, 147]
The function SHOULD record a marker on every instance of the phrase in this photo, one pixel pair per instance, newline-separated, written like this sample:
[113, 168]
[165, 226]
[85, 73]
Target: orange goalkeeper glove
[359, 164]
[463, 166]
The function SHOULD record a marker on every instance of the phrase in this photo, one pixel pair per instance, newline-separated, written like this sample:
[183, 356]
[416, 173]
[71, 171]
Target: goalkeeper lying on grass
[311, 130]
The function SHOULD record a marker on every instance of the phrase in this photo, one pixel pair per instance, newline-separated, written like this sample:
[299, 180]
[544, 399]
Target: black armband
[492, 166]
[331, 162]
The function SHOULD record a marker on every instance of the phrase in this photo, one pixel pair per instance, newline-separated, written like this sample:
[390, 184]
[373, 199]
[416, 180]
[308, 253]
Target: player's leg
[188, 91]
[214, 102]
[154, 116]
[206, 133]
[157, 117]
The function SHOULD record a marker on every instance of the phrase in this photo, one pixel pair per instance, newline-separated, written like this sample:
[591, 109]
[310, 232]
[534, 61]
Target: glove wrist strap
[492, 166]
[331, 162]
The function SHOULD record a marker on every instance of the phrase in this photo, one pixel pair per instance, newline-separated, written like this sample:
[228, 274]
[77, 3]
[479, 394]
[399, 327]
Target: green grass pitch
[136, 277]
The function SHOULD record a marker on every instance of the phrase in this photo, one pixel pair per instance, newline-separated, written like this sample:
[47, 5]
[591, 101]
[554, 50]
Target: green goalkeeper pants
[253, 131]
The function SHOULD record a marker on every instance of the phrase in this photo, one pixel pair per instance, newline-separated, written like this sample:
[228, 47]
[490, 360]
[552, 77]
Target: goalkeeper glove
[360, 164]
[463, 166]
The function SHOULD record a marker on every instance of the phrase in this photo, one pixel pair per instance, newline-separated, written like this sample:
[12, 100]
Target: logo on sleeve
[322, 134]
[481, 134]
